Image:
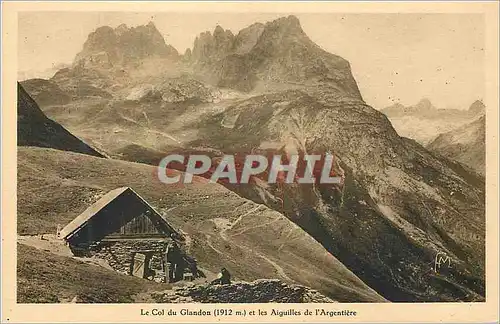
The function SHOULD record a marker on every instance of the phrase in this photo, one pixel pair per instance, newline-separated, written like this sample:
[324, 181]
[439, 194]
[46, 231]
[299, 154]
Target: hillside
[466, 144]
[35, 129]
[43, 277]
[250, 240]
[398, 206]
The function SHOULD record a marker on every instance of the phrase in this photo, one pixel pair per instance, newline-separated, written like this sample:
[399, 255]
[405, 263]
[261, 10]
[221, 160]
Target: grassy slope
[224, 230]
[48, 278]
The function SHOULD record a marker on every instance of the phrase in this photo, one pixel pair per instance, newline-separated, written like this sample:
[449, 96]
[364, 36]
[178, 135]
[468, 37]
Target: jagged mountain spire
[278, 51]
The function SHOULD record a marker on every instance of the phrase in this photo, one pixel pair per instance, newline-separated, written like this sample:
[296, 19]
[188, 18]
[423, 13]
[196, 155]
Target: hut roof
[95, 208]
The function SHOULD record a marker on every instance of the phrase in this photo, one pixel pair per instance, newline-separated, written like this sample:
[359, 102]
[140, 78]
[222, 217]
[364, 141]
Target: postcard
[249, 162]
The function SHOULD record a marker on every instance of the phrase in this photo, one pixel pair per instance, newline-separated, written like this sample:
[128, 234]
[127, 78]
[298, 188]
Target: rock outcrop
[175, 90]
[186, 89]
[258, 291]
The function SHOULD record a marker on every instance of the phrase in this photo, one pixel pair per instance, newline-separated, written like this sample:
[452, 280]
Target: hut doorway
[140, 265]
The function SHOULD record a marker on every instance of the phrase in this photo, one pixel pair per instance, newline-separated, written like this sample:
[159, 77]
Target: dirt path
[50, 243]
[256, 226]
[223, 234]
[46, 242]
[276, 266]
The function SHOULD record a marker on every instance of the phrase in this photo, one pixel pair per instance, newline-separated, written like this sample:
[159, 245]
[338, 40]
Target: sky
[394, 57]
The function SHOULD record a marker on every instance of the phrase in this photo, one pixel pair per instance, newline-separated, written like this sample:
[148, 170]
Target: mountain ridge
[465, 144]
[34, 128]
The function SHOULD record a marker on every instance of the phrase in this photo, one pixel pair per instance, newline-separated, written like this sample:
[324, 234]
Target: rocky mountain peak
[108, 47]
[396, 105]
[277, 52]
[218, 30]
[121, 29]
[247, 38]
[424, 104]
[289, 25]
[223, 37]
[211, 47]
[285, 33]
[477, 107]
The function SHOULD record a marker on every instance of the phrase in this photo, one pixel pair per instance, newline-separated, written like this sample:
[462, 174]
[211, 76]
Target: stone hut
[124, 229]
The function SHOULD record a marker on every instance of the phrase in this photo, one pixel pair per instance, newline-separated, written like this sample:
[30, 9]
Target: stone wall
[119, 253]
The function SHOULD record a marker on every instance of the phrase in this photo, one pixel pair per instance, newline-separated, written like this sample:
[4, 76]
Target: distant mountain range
[456, 134]
[423, 122]
[425, 109]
